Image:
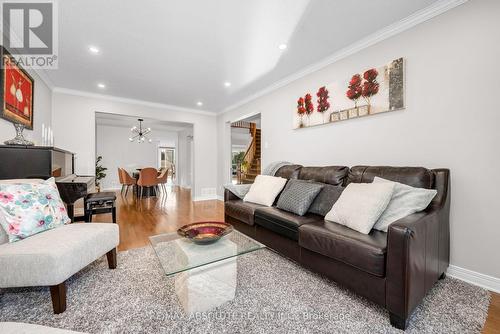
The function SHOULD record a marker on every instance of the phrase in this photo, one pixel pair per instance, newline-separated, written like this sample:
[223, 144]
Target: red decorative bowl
[204, 233]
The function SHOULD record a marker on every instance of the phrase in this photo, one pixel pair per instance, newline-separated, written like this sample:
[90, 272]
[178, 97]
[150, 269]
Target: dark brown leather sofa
[394, 269]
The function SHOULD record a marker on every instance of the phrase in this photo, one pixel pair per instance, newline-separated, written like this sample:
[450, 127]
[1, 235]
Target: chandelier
[139, 134]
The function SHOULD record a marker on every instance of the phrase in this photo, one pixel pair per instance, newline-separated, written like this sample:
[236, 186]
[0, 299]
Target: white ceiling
[180, 52]
[129, 122]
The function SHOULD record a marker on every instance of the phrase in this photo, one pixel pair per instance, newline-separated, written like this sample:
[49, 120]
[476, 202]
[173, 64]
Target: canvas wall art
[16, 92]
[369, 92]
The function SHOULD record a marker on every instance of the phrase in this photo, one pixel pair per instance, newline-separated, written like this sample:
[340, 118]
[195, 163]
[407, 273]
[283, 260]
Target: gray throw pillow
[325, 200]
[298, 196]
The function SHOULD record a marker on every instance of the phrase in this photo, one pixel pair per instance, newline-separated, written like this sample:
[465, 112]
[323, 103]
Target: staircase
[250, 167]
[254, 165]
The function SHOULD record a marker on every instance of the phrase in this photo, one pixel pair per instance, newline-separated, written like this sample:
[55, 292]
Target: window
[167, 158]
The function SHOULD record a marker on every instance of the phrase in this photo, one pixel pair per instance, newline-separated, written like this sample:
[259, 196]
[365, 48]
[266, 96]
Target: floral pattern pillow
[31, 208]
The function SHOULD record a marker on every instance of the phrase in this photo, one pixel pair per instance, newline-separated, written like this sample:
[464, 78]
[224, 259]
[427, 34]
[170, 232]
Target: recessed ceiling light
[94, 49]
[199, 103]
[282, 46]
[227, 84]
[101, 85]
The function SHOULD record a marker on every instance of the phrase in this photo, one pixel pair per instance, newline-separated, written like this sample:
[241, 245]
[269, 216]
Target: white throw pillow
[405, 201]
[360, 205]
[265, 189]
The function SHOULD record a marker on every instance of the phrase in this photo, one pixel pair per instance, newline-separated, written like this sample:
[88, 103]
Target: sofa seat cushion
[53, 256]
[283, 222]
[363, 251]
[242, 211]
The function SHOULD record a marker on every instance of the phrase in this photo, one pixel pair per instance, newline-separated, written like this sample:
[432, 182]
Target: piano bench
[96, 203]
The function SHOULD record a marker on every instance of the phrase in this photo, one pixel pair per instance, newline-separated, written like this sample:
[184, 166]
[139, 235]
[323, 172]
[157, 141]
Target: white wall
[74, 124]
[240, 137]
[42, 109]
[117, 151]
[185, 159]
[451, 121]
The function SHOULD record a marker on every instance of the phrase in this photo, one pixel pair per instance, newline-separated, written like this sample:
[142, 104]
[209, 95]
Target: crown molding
[43, 76]
[416, 18]
[131, 101]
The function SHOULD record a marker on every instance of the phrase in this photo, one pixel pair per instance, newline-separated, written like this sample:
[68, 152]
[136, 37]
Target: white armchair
[51, 257]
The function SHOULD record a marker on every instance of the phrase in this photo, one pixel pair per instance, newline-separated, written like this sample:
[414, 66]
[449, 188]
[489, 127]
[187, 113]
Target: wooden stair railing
[242, 124]
[252, 156]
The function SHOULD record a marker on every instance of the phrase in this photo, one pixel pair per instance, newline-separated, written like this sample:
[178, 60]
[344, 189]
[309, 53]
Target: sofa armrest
[228, 196]
[412, 261]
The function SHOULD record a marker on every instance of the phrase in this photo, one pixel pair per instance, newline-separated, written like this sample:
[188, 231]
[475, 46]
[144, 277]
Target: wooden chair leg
[111, 255]
[58, 294]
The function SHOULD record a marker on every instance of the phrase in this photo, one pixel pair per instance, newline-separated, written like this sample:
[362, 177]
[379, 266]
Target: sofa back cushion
[325, 200]
[334, 175]
[417, 177]
[288, 172]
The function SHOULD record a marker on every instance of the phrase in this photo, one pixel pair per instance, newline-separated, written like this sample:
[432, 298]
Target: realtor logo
[30, 33]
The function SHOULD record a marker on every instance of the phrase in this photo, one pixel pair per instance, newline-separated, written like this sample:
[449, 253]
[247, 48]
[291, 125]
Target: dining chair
[162, 179]
[148, 177]
[120, 178]
[128, 180]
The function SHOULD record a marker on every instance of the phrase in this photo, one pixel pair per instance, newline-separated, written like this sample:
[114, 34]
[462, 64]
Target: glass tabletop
[177, 254]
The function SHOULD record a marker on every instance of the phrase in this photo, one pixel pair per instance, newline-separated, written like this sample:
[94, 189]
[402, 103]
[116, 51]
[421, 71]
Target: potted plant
[244, 166]
[99, 173]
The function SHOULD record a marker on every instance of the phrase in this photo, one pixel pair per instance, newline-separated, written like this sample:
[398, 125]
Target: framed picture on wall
[16, 87]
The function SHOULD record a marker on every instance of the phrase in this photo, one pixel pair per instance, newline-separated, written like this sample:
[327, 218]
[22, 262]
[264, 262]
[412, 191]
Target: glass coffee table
[205, 275]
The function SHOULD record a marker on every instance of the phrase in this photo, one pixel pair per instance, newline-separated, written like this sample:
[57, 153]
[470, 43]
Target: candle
[43, 134]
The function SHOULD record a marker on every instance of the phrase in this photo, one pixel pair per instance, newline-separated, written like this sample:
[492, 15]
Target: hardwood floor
[493, 322]
[140, 219]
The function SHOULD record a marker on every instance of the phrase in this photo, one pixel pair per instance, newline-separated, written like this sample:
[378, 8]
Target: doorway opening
[246, 149]
[166, 160]
[166, 145]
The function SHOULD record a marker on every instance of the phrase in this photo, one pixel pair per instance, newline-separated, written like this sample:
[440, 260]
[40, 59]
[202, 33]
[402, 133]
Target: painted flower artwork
[371, 91]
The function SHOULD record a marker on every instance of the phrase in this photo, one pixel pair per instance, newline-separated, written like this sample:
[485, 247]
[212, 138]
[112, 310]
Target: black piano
[72, 188]
[40, 162]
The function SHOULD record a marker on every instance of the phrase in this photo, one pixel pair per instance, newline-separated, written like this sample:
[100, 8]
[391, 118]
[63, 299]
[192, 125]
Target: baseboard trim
[205, 198]
[484, 281]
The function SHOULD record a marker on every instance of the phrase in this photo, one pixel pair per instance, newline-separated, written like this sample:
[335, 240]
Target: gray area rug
[274, 295]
